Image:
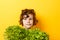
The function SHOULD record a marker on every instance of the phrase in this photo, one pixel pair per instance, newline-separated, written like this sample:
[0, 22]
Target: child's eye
[24, 18]
[30, 19]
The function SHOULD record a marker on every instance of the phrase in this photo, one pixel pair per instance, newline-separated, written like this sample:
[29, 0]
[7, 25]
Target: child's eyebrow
[24, 17]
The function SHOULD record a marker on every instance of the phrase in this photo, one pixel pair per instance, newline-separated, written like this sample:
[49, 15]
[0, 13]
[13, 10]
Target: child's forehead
[28, 15]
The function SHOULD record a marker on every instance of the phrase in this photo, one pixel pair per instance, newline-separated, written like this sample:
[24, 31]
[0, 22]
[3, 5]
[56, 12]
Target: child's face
[28, 21]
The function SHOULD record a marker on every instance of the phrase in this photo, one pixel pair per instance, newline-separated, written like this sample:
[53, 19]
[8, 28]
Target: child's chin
[28, 27]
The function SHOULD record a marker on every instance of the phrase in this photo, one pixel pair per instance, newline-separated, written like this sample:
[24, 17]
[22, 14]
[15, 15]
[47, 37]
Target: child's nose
[28, 21]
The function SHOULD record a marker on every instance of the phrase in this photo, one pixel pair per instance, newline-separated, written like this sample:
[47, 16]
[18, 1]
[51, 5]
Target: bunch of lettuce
[18, 33]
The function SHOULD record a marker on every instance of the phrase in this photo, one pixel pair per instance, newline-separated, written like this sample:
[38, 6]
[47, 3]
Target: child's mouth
[28, 24]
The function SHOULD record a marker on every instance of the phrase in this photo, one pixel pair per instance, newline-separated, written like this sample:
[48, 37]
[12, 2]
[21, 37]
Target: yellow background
[47, 11]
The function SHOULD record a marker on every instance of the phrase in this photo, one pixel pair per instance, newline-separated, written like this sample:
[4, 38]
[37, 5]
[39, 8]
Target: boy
[27, 18]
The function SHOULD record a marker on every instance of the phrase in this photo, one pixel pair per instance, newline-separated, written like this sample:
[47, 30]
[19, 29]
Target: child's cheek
[24, 22]
[31, 22]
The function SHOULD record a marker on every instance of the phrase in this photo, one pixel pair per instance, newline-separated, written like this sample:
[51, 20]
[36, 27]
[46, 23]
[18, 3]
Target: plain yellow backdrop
[47, 13]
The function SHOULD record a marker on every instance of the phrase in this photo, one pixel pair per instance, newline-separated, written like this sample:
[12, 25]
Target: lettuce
[18, 33]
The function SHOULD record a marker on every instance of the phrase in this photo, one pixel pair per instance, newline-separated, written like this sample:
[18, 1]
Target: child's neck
[26, 28]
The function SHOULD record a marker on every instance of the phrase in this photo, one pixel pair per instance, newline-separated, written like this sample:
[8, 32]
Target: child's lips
[28, 24]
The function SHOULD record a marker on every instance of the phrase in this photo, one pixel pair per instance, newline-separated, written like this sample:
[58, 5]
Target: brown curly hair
[26, 12]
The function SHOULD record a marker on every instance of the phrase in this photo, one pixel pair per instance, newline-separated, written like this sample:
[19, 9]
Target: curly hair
[26, 12]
